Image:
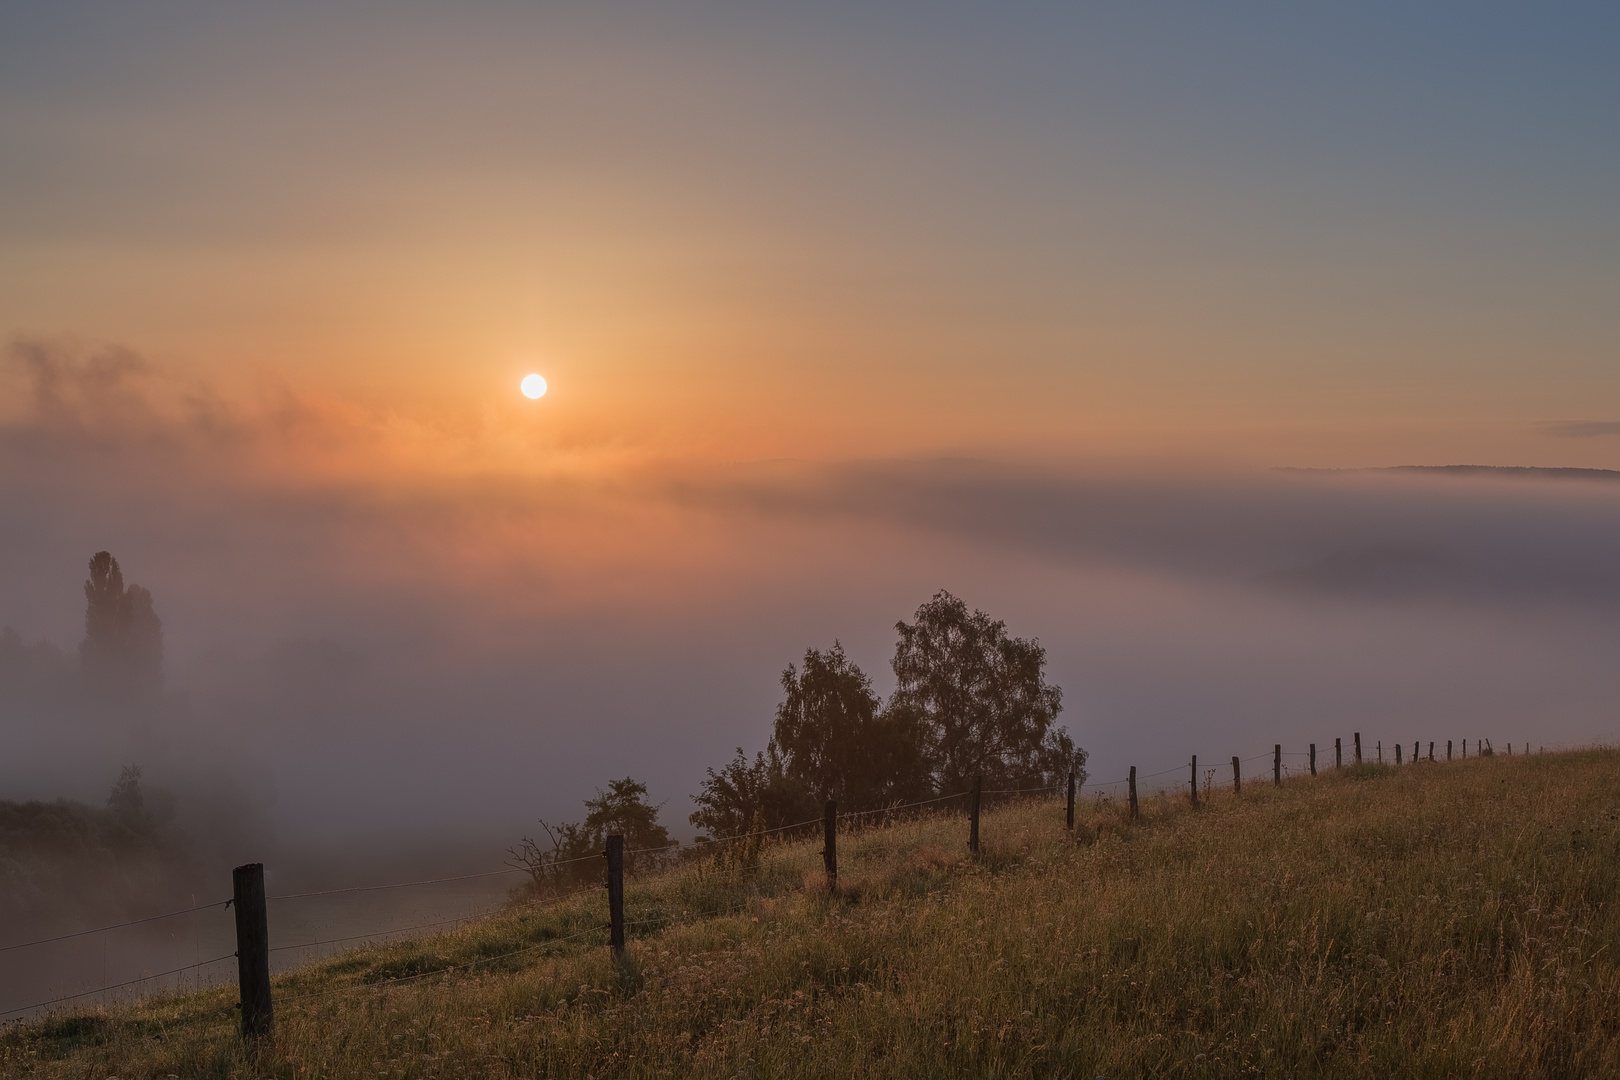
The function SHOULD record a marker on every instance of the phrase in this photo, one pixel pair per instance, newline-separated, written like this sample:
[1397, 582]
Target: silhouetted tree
[122, 650]
[981, 697]
[623, 809]
[833, 735]
[575, 846]
[125, 798]
[746, 795]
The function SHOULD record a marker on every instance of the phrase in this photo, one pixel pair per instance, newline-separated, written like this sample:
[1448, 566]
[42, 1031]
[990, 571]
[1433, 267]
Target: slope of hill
[1438, 919]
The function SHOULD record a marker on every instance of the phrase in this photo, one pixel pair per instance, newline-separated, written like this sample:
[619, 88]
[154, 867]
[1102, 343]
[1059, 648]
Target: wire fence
[704, 846]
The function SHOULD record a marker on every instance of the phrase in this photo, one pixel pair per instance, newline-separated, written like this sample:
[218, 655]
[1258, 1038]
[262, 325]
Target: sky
[839, 305]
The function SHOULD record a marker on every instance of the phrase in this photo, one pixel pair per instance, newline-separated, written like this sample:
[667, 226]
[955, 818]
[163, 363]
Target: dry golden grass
[1436, 920]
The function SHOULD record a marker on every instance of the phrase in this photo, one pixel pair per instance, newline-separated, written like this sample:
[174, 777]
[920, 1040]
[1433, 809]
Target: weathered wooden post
[1397, 752]
[1380, 751]
[1313, 759]
[1133, 792]
[973, 810]
[1237, 776]
[829, 846]
[1416, 756]
[1431, 751]
[615, 886]
[1195, 780]
[1448, 749]
[1338, 753]
[1358, 748]
[1071, 800]
[252, 951]
[1276, 765]
[1465, 749]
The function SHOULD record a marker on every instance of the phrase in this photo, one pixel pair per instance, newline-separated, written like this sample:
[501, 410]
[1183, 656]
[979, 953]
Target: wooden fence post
[615, 886]
[1358, 748]
[1397, 752]
[1071, 800]
[829, 846]
[1431, 750]
[1195, 780]
[1448, 749]
[1380, 751]
[1416, 747]
[973, 810]
[1133, 792]
[1237, 776]
[1313, 759]
[1338, 753]
[252, 951]
[1465, 749]
[1276, 765]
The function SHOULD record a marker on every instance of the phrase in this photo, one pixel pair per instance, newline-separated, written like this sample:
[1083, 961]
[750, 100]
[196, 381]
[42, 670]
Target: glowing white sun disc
[533, 386]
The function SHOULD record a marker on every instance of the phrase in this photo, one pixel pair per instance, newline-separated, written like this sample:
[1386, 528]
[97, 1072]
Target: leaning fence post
[1358, 748]
[1071, 800]
[1276, 765]
[1313, 759]
[973, 815]
[1195, 779]
[252, 950]
[615, 886]
[829, 847]
[1237, 776]
[1133, 792]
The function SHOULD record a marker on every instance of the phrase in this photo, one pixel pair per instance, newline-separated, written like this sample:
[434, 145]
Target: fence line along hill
[1436, 918]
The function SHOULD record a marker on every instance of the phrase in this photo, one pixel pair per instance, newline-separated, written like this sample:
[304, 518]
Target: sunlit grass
[1434, 920]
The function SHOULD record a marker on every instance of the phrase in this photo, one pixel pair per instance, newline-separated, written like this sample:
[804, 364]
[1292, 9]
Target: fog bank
[362, 645]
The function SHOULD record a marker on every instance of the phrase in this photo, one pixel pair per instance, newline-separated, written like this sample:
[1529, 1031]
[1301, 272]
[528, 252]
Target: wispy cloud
[1579, 429]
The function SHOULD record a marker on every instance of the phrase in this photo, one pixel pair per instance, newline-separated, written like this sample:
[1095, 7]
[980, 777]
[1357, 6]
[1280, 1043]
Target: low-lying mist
[393, 664]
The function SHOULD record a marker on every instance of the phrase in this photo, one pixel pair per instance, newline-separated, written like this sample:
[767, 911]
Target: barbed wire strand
[116, 926]
[399, 884]
[116, 986]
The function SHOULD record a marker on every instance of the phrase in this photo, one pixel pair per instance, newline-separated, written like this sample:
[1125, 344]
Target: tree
[623, 809]
[125, 799]
[575, 846]
[834, 736]
[981, 697]
[122, 650]
[746, 795]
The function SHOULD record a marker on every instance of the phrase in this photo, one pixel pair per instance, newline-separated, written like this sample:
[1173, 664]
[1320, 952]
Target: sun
[533, 386]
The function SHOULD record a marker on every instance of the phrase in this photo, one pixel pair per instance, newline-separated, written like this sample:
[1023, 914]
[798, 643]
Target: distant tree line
[58, 857]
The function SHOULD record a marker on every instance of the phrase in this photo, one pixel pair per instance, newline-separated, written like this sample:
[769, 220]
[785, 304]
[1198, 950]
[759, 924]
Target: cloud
[1579, 429]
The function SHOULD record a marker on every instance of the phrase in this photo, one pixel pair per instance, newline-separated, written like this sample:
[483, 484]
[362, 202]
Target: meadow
[1447, 919]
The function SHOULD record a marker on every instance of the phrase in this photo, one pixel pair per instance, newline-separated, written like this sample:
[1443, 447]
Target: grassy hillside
[1436, 920]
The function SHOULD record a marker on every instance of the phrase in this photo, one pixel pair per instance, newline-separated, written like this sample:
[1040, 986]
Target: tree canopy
[980, 695]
